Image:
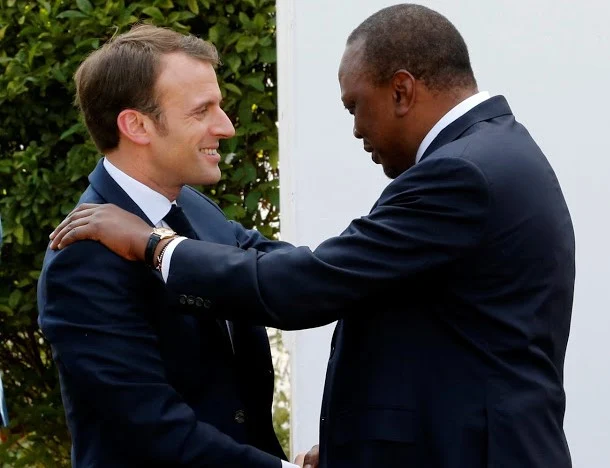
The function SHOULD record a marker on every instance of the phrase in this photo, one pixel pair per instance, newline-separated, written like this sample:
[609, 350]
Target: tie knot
[175, 210]
[177, 220]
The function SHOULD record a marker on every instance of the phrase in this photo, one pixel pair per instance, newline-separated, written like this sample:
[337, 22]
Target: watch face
[164, 232]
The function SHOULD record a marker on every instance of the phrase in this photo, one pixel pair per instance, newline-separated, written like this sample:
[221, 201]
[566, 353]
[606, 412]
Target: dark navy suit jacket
[454, 299]
[142, 384]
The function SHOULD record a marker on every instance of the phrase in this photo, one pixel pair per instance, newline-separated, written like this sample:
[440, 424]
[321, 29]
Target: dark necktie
[177, 220]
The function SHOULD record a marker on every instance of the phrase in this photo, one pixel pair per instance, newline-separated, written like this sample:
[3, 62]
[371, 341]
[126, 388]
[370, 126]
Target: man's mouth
[209, 151]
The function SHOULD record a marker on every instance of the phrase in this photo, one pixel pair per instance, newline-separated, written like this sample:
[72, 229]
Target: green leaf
[274, 197]
[244, 20]
[234, 62]
[274, 158]
[232, 198]
[193, 6]
[73, 129]
[71, 14]
[14, 298]
[245, 43]
[234, 212]
[268, 54]
[253, 81]
[254, 128]
[231, 87]
[84, 6]
[154, 13]
[252, 200]
[250, 172]
[259, 21]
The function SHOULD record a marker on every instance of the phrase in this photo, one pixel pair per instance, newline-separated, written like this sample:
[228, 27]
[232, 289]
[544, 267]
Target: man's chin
[207, 178]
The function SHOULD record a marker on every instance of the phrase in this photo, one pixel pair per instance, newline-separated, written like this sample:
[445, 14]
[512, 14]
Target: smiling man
[143, 385]
[453, 295]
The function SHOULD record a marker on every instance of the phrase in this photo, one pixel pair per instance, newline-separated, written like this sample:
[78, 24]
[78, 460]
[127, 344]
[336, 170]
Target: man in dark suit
[453, 295]
[143, 385]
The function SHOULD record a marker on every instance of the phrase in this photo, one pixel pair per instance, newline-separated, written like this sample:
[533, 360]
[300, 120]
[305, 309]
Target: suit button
[182, 299]
[198, 302]
[240, 416]
[190, 300]
[207, 303]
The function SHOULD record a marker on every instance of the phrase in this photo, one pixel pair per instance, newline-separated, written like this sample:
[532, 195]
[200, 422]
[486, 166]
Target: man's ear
[403, 91]
[134, 126]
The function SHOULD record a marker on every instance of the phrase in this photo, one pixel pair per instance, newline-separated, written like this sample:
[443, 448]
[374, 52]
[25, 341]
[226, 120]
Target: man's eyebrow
[206, 103]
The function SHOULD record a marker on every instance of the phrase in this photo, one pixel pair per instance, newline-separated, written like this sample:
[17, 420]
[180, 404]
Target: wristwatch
[156, 236]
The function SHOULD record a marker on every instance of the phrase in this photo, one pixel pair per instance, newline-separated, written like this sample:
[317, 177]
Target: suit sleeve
[429, 217]
[252, 239]
[109, 353]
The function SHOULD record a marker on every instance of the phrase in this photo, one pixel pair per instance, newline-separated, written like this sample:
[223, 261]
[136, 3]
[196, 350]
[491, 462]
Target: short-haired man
[142, 384]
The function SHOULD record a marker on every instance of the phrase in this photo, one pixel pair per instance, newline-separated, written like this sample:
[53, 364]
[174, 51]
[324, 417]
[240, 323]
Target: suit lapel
[490, 109]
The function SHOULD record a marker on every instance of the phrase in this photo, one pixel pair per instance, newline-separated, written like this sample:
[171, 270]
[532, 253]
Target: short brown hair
[122, 75]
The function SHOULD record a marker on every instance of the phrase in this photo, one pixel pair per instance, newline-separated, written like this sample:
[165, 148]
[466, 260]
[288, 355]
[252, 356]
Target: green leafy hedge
[46, 155]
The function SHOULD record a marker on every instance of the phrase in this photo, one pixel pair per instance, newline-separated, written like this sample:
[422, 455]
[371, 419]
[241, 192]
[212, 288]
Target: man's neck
[130, 164]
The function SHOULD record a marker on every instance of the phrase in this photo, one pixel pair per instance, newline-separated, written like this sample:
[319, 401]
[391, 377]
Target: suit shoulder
[87, 255]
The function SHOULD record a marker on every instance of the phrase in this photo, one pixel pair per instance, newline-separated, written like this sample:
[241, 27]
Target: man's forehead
[352, 63]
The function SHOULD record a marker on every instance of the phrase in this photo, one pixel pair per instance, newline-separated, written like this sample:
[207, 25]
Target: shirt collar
[154, 205]
[450, 117]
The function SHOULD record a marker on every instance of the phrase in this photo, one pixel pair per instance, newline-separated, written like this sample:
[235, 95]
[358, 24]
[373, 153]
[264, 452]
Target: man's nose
[357, 134]
[224, 127]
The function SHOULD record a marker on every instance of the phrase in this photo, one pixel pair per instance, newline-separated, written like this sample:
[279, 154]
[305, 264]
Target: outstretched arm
[424, 221]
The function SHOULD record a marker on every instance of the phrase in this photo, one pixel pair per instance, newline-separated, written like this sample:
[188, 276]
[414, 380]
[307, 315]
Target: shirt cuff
[167, 256]
[285, 464]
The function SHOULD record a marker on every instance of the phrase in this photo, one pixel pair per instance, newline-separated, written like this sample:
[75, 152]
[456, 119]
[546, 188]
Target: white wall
[550, 58]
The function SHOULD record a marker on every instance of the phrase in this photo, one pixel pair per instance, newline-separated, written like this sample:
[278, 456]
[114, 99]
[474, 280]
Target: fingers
[299, 460]
[76, 229]
[312, 458]
[81, 211]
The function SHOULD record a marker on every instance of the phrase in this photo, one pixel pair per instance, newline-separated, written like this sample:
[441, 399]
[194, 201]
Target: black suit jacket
[142, 384]
[454, 299]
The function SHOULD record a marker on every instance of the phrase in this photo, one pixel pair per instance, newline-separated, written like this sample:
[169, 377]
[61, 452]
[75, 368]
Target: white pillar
[550, 59]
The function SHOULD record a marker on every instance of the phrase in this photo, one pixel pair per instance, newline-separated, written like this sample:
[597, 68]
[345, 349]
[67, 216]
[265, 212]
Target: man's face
[373, 107]
[184, 144]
